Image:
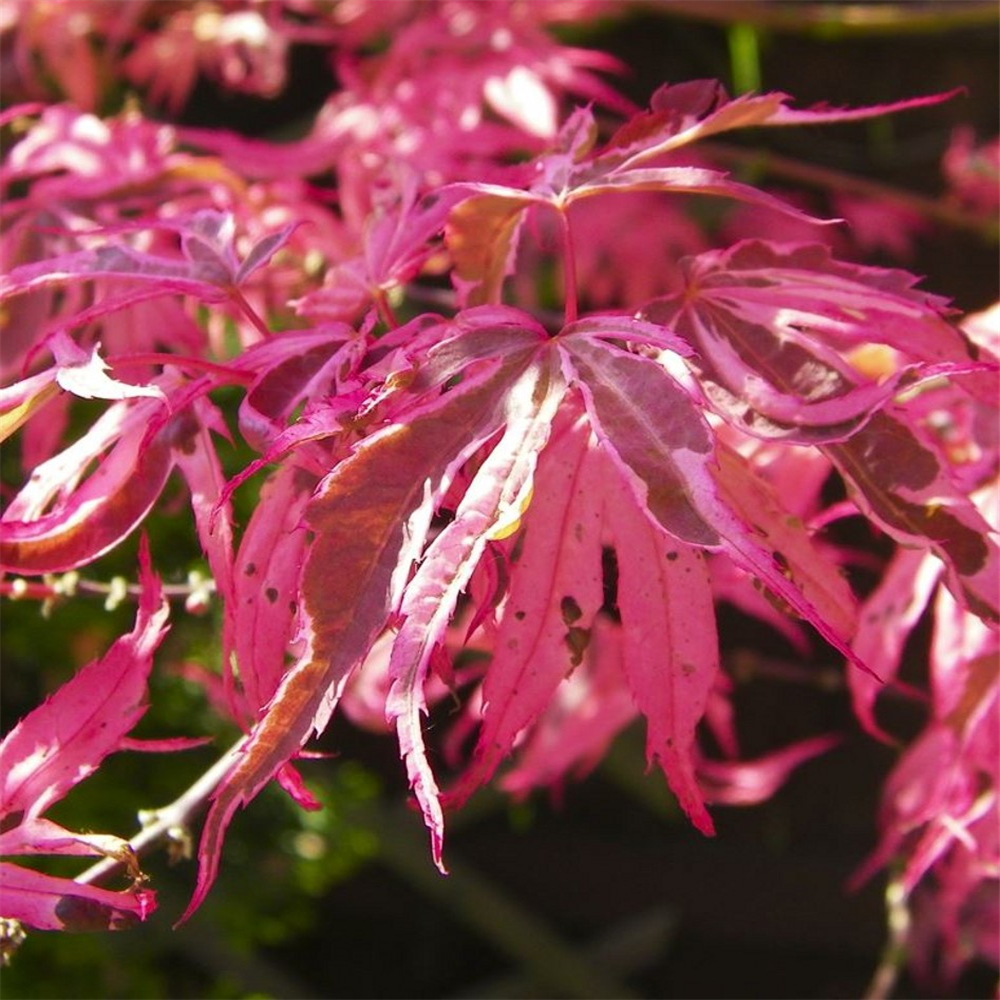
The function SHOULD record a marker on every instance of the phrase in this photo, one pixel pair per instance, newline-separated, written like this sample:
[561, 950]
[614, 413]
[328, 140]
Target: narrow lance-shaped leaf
[886, 620]
[688, 112]
[492, 503]
[555, 592]
[768, 325]
[670, 650]
[210, 269]
[266, 583]
[49, 903]
[683, 180]
[370, 517]
[68, 735]
[481, 235]
[587, 710]
[801, 560]
[55, 747]
[198, 462]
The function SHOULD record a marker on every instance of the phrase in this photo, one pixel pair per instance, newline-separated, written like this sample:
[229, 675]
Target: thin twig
[169, 818]
[827, 179]
[840, 20]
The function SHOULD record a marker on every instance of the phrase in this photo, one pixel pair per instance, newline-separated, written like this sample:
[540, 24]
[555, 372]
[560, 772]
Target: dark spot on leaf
[518, 548]
[570, 610]
[577, 640]
[609, 575]
[78, 914]
[672, 556]
[11, 820]
[520, 615]
[891, 455]
[271, 593]
[251, 569]
[183, 432]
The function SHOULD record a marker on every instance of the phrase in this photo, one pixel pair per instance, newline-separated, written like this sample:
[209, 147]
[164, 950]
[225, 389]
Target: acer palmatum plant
[610, 424]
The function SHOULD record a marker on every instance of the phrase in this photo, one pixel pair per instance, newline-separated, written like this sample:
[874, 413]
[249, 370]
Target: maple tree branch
[837, 20]
[829, 179]
[70, 584]
[885, 977]
[169, 822]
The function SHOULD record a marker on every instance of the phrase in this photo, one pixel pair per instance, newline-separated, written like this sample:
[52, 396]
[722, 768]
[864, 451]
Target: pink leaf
[749, 782]
[804, 563]
[670, 651]
[664, 449]
[293, 368]
[66, 738]
[493, 504]
[684, 180]
[584, 714]
[555, 592]
[60, 904]
[767, 325]
[370, 516]
[210, 270]
[266, 583]
[886, 619]
[688, 112]
[481, 235]
[906, 488]
[55, 524]
[85, 376]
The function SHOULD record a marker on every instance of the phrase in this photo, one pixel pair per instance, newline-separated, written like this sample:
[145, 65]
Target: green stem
[830, 20]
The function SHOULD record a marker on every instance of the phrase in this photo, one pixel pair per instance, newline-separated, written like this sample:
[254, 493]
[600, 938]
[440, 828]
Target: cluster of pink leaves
[83, 51]
[537, 514]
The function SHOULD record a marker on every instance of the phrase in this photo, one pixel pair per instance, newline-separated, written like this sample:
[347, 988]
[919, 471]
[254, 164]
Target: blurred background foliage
[605, 890]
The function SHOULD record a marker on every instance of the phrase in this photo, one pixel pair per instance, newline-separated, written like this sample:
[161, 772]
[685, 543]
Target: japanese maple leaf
[395, 244]
[767, 324]
[495, 385]
[209, 267]
[55, 747]
[483, 231]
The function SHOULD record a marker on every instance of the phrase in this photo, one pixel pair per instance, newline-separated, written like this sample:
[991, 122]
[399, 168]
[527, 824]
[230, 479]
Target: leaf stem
[384, 310]
[229, 372]
[885, 977]
[569, 267]
[250, 313]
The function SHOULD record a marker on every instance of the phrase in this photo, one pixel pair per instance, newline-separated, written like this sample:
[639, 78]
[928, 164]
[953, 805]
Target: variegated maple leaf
[555, 451]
